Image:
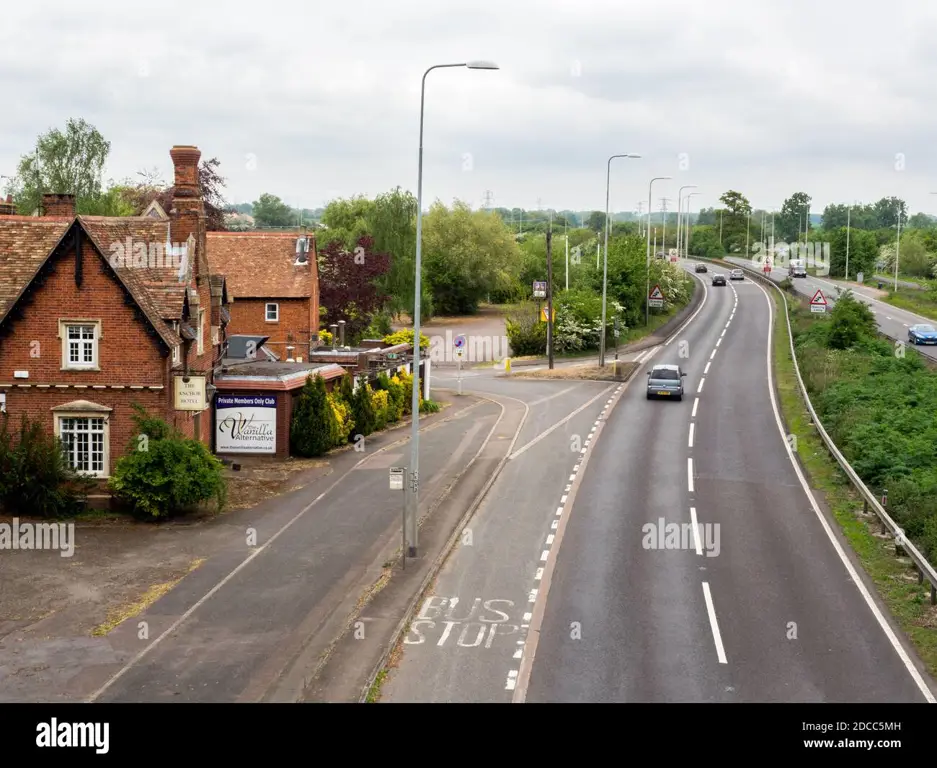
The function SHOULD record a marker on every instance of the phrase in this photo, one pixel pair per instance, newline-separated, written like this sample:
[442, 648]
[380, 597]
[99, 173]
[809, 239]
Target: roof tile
[261, 264]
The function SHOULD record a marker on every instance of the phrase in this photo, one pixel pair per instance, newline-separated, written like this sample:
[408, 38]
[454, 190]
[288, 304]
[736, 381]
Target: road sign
[543, 315]
[540, 289]
[656, 298]
[460, 341]
[818, 302]
[860, 277]
[396, 478]
[767, 267]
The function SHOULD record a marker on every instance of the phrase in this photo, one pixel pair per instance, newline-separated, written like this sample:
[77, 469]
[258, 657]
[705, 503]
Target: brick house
[98, 313]
[273, 280]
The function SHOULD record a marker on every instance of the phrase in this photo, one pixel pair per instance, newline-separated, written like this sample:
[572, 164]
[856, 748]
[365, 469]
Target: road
[892, 321]
[573, 589]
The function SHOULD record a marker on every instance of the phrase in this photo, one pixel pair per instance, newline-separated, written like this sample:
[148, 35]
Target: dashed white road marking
[544, 555]
[712, 355]
[528, 616]
[689, 473]
[696, 537]
[532, 597]
[888, 318]
[539, 574]
[695, 406]
[718, 341]
[554, 525]
[563, 499]
[720, 651]
[706, 369]
[701, 382]
[692, 427]
[549, 539]
[723, 332]
[512, 680]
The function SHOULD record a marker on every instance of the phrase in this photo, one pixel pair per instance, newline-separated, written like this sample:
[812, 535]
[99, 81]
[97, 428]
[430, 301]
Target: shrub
[166, 473]
[405, 336]
[379, 402]
[406, 383]
[395, 390]
[326, 338]
[35, 477]
[429, 406]
[527, 335]
[363, 409]
[342, 422]
[311, 429]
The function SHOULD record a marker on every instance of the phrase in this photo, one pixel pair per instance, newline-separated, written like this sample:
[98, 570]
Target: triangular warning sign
[818, 298]
[656, 294]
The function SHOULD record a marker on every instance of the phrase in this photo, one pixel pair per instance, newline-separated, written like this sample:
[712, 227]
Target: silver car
[736, 274]
[665, 381]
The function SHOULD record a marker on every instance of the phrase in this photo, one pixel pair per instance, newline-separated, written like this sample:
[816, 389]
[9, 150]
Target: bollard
[507, 365]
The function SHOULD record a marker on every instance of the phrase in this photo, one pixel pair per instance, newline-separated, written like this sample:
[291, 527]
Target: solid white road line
[558, 424]
[555, 394]
[860, 585]
[720, 651]
[689, 473]
[692, 427]
[695, 406]
[696, 536]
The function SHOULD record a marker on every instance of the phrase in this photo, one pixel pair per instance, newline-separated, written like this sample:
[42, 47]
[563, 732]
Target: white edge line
[720, 650]
[692, 428]
[860, 585]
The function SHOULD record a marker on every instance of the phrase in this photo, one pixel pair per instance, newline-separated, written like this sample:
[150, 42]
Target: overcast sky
[313, 100]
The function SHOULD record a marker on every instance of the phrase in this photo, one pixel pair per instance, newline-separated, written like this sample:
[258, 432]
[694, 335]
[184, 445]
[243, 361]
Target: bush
[395, 390]
[362, 409]
[405, 336]
[429, 406]
[527, 335]
[379, 402]
[312, 428]
[347, 390]
[166, 473]
[342, 422]
[35, 477]
[406, 383]
[326, 338]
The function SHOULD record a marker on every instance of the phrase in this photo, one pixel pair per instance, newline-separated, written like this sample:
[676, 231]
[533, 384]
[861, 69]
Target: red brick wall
[248, 317]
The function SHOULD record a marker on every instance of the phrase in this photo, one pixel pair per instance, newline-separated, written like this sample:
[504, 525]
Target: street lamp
[647, 286]
[897, 249]
[686, 240]
[414, 496]
[608, 175]
[679, 209]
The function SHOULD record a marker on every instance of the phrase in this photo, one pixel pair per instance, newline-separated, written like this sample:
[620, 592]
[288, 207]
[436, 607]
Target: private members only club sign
[245, 424]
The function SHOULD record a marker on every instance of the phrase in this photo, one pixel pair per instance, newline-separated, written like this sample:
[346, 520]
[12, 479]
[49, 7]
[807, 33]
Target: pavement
[892, 321]
[676, 556]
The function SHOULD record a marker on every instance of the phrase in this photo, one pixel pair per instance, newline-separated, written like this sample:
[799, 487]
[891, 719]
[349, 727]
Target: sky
[315, 100]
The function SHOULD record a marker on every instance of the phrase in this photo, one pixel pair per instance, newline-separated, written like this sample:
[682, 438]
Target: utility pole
[566, 238]
[640, 221]
[488, 197]
[720, 226]
[550, 295]
[848, 216]
[663, 208]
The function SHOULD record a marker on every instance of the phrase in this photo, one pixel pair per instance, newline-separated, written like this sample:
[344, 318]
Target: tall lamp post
[647, 281]
[679, 211]
[608, 176]
[686, 240]
[414, 486]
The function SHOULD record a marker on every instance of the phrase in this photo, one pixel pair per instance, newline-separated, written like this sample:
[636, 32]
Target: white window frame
[276, 312]
[176, 355]
[95, 344]
[104, 472]
[201, 332]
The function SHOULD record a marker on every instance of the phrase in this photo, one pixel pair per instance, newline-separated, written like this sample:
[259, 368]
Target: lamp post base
[411, 552]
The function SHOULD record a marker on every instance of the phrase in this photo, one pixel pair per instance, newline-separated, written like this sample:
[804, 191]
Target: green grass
[374, 693]
[895, 580]
[920, 302]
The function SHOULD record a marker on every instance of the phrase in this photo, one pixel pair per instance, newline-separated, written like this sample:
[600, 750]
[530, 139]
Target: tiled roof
[26, 242]
[261, 265]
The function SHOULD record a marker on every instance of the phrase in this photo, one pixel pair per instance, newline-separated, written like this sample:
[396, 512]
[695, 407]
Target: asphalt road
[892, 321]
[573, 587]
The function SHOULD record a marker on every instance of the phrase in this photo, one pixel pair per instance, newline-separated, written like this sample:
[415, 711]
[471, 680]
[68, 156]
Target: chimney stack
[187, 217]
[341, 330]
[58, 205]
[7, 207]
[334, 330]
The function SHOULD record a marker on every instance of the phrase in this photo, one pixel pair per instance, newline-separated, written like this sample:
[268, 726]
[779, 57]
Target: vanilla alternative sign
[245, 424]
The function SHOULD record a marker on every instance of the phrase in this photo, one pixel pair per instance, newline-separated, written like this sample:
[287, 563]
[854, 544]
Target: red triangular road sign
[818, 298]
[656, 293]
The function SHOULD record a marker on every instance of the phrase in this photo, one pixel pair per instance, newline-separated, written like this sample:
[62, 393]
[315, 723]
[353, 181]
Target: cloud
[765, 98]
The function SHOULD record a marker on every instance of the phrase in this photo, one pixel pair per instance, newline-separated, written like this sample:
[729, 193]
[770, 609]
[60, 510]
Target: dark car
[701, 268]
[719, 279]
[665, 381]
[922, 334]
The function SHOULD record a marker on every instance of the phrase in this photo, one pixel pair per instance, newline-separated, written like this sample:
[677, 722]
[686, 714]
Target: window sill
[80, 369]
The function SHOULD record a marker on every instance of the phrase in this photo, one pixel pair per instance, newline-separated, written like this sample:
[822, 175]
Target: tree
[467, 255]
[362, 409]
[887, 211]
[789, 223]
[596, 221]
[391, 221]
[734, 218]
[863, 252]
[152, 187]
[920, 221]
[348, 283]
[64, 162]
[312, 428]
[271, 211]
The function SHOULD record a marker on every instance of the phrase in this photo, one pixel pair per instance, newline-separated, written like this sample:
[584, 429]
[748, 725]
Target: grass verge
[894, 578]
[920, 302]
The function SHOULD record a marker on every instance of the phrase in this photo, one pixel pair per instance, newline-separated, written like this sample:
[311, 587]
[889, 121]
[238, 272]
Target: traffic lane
[794, 627]
[467, 636]
[626, 618]
[240, 639]
[892, 321]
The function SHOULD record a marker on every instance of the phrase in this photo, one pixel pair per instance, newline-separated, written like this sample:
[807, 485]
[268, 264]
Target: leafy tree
[863, 252]
[850, 321]
[789, 223]
[362, 409]
[467, 254]
[152, 187]
[64, 162]
[391, 221]
[595, 221]
[271, 211]
[348, 284]
[887, 211]
[734, 219]
[704, 241]
[312, 429]
[920, 221]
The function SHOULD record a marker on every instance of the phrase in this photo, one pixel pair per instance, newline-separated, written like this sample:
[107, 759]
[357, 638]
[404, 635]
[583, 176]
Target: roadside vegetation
[841, 359]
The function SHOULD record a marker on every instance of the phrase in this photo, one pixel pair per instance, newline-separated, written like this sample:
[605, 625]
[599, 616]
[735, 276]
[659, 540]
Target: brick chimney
[58, 205]
[7, 207]
[187, 216]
